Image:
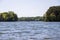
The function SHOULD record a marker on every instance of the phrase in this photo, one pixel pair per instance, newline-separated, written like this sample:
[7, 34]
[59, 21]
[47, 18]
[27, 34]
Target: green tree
[4, 16]
[12, 16]
[8, 16]
[53, 14]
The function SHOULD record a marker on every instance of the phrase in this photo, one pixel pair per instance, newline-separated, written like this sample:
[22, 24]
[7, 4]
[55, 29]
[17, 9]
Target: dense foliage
[38, 18]
[52, 14]
[8, 16]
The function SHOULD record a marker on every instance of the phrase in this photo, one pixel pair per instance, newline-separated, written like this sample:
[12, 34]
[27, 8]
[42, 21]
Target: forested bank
[52, 14]
[11, 16]
[8, 16]
[37, 18]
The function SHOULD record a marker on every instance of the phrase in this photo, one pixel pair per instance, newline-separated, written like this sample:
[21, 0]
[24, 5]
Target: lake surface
[32, 30]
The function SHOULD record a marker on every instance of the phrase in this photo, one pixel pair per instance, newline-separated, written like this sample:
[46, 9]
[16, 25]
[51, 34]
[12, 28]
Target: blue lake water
[32, 30]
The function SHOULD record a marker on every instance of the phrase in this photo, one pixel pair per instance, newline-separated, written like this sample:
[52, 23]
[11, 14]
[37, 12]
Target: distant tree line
[11, 16]
[8, 16]
[52, 14]
[38, 18]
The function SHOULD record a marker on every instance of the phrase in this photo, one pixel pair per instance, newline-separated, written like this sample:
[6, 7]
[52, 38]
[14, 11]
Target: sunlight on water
[30, 30]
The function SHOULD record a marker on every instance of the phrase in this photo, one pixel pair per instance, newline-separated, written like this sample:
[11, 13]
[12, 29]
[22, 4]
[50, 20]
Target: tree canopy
[52, 14]
[38, 18]
[8, 16]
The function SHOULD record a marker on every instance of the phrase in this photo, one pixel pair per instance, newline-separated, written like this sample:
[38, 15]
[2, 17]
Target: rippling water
[33, 30]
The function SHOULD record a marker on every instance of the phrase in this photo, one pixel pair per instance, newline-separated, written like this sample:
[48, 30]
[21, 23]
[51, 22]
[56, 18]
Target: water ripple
[30, 30]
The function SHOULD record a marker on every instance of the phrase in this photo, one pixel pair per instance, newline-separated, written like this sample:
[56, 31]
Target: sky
[27, 8]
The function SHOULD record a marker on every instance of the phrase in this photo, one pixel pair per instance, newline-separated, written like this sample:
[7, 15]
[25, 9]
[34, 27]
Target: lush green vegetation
[52, 14]
[8, 16]
[11, 16]
[38, 18]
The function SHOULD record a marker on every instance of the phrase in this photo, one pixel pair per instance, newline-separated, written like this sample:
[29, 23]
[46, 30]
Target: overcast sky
[24, 8]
